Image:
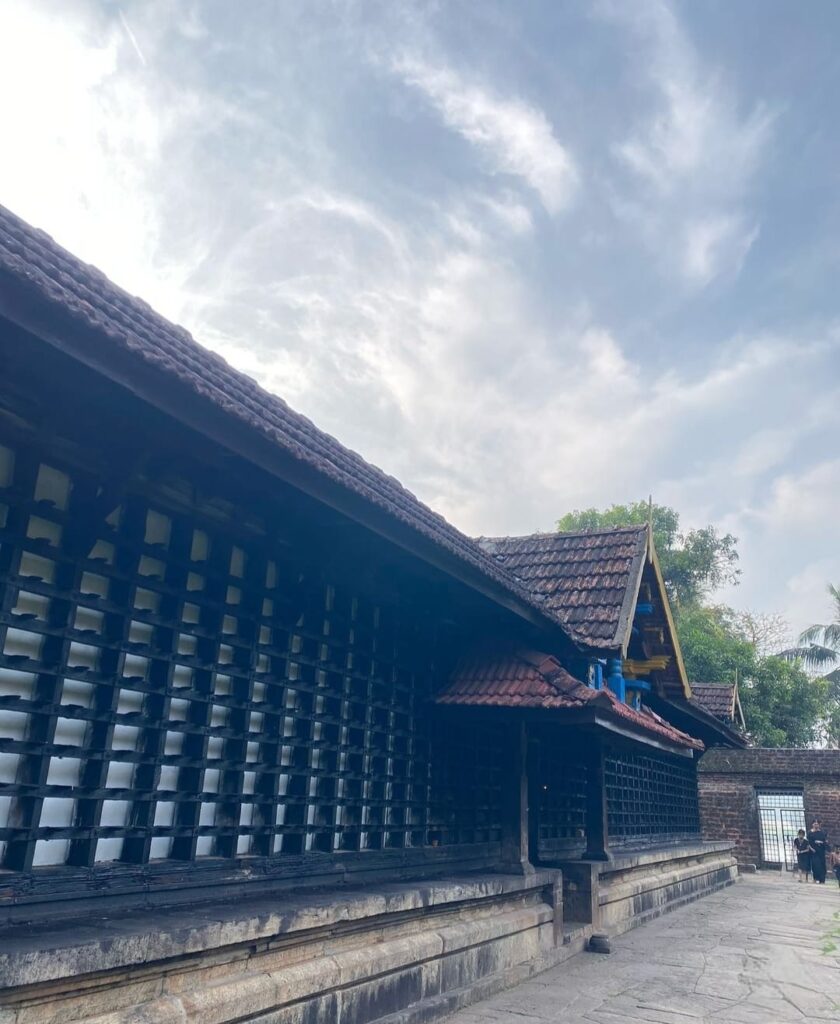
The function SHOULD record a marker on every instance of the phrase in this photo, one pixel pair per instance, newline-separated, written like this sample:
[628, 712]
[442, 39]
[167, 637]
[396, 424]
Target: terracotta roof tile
[716, 698]
[649, 720]
[520, 679]
[529, 679]
[588, 579]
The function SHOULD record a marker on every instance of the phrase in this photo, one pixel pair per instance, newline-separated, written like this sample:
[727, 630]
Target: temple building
[721, 700]
[277, 742]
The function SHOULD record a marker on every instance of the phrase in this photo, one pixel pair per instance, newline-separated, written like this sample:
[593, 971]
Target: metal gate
[781, 815]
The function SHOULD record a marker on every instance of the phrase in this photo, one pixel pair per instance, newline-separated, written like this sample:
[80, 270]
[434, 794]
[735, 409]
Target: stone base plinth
[634, 886]
[416, 950]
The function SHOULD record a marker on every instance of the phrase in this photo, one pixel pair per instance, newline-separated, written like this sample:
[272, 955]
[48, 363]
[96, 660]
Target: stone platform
[766, 951]
[401, 953]
[635, 886]
[418, 950]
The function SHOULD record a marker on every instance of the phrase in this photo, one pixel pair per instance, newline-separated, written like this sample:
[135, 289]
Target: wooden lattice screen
[561, 786]
[174, 685]
[650, 797]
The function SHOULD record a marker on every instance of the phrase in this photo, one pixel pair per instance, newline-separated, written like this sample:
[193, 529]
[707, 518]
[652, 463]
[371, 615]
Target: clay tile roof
[33, 260]
[649, 720]
[516, 680]
[716, 698]
[529, 679]
[588, 579]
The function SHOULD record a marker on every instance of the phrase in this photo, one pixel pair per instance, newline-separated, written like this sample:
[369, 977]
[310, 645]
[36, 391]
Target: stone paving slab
[765, 951]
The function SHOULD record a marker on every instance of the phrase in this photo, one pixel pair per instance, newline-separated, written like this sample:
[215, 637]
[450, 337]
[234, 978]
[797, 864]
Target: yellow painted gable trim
[653, 558]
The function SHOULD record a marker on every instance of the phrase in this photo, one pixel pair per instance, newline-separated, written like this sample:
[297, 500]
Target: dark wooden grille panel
[466, 782]
[173, 687]
[650, 797]
[561, 792]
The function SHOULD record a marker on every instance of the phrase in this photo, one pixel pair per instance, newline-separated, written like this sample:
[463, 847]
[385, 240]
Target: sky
[525, 256]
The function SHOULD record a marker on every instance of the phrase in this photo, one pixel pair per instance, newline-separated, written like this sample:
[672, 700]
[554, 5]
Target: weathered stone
[159, 1011]
[90, 1001]
[242, 996]
[361, 955]
[296, 983]
[741, 956]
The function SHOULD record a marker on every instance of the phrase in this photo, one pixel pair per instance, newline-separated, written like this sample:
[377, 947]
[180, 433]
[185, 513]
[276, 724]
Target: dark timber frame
[218, 667]
[201, 676]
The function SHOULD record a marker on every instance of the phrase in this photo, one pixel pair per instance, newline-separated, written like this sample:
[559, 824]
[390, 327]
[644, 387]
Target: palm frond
[833, 679]
[811, 655]
[831, 636]
[812, 633]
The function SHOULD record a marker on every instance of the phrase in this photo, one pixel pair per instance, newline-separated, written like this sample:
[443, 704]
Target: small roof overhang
[532, 681]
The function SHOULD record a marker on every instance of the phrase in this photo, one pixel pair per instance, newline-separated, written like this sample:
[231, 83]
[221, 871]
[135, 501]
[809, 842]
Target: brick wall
[729, 779]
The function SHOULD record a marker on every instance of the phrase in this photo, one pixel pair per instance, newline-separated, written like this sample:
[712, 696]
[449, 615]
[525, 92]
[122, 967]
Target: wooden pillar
[532, 768]
[596, 804]
[515, 803]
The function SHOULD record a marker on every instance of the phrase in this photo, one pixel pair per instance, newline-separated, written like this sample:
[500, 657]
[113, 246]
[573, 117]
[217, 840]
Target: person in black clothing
[803, 855]
[834, 863]
[819, 844]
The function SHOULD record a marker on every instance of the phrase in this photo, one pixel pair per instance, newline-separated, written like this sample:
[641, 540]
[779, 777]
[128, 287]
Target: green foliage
[713, 647]
[693, 564]
[666, 522]
[819, 649]
[782, 705]
[820, 644]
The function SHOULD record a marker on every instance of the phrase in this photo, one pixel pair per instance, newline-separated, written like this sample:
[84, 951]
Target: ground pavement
[765, 950]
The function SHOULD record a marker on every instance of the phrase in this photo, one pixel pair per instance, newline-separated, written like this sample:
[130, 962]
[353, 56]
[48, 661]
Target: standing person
[803, 851]
[834, 863]
[819, 844]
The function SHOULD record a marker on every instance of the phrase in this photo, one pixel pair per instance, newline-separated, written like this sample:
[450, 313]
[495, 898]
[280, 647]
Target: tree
[819, 650]
[819, 645]
[694, 563]
[782, 705]
[769, 632]
[713, 647]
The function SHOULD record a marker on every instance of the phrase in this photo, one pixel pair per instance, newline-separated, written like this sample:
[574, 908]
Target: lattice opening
[649, 797]
[561, 787]
[174, 690]
[466, 783]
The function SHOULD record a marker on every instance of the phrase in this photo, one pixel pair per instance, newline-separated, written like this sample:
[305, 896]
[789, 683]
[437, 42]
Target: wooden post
[515, 805]
[532, 768]
[596, 804]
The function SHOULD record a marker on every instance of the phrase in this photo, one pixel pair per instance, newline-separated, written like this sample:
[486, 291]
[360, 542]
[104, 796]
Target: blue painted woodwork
[615, 679]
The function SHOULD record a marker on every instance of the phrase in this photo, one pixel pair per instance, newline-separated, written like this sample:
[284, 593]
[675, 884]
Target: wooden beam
[515, 810]
[635, 668]
[173, 397]
[597, 828]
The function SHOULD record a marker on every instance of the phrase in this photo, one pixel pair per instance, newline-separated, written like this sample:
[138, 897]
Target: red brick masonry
[730, 779]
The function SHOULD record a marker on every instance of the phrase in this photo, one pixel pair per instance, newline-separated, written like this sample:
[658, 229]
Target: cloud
[807, 601]
[799, 501]
[791, 544]
[690, 162]
[436, 331]
[514, 137]
[712, 243]
[96, 144]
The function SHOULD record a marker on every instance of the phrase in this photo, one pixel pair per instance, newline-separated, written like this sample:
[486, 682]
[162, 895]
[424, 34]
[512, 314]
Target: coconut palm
[819, 645]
